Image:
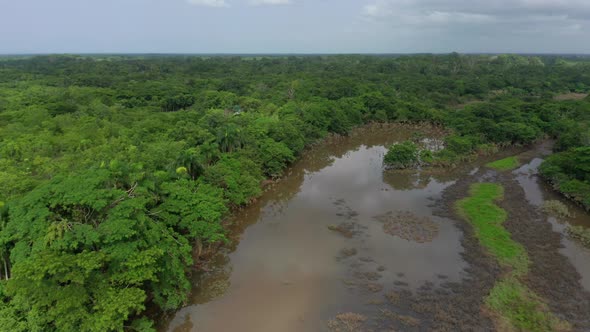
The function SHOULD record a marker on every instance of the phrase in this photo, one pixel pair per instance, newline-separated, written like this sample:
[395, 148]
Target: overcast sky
[294, 26]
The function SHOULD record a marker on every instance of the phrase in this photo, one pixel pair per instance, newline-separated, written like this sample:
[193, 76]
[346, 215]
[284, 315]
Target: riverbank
[431, 272]
[277, 195]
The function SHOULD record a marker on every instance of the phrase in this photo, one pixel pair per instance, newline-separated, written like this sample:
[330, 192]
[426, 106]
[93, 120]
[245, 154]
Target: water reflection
[536, 193]
[286, 270]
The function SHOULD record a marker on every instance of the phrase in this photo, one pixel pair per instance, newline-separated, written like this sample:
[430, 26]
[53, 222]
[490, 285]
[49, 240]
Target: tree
[178, 102]
[239, 177]
[275, 157]
[230, 138]
[191, 161]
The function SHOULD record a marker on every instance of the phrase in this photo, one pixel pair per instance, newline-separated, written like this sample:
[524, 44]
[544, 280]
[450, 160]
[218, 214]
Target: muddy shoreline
[551, 274]
[460, 306]
[456, 306]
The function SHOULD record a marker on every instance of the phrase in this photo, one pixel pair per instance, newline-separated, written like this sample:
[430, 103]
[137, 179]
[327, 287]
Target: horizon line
[281, 53]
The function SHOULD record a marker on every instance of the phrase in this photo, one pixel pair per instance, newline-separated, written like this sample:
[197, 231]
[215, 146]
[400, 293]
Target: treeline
[569, 169]
[113, 168]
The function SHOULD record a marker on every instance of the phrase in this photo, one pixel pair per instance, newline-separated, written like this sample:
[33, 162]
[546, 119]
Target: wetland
[340, 244]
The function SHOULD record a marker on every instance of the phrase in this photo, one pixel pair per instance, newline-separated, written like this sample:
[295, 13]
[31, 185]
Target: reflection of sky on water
[284, 274]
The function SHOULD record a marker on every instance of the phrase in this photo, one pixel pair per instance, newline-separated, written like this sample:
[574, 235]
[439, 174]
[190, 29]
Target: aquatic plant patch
[347, 322]
[556, 208]
[580, 234]
[505, 164]
[487, 218]
[408, 226]
[522, 308]
[510, 299]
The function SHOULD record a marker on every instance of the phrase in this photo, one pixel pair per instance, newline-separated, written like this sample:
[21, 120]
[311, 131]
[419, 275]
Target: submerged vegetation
[113, 168]
[516, 306]
[580, 234]
[346, 322]
[556, 208]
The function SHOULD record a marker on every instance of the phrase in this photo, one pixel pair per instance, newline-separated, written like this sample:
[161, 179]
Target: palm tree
[190, 160]
[209, 152]
[230, 138]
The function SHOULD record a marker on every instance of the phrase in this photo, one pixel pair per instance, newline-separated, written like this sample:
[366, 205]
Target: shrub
[402, 155]
[459, 144]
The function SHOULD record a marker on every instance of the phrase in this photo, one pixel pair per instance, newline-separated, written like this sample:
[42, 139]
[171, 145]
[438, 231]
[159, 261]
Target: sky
[294, 26]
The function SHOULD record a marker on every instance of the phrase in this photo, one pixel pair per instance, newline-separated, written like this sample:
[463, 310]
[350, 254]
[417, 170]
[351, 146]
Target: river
[336, 235]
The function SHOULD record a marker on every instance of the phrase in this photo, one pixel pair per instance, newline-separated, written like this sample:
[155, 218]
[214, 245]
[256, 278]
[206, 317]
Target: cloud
[224, 3]
[519, 15]
[572, 8]
[209, 3]
[269, 2]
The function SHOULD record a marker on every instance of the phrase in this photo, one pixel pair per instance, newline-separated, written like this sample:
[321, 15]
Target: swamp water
[314, 245]
[337, 234]
[538, 192]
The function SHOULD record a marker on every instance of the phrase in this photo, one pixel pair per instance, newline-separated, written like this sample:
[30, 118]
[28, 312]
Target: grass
[524, 310]
[487, 218]
[517, 306]
[505, 164]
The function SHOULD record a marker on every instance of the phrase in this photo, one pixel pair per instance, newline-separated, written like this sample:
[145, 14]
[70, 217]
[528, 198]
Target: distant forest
[113, 168]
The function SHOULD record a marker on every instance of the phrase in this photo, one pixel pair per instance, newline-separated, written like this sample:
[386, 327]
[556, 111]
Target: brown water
[537, 192]
[291, 271]
[325, 240]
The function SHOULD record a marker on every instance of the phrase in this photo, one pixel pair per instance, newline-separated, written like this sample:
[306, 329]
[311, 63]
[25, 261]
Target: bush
[402, 155]
[380, 116]
[459, 144]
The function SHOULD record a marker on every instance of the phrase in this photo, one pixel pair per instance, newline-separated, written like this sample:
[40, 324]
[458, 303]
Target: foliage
[275, 156]
[505, 164]
[172, 104]
[459, 144]
[238, 176]
[402, 155]
[569, 172]
[83, 250]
